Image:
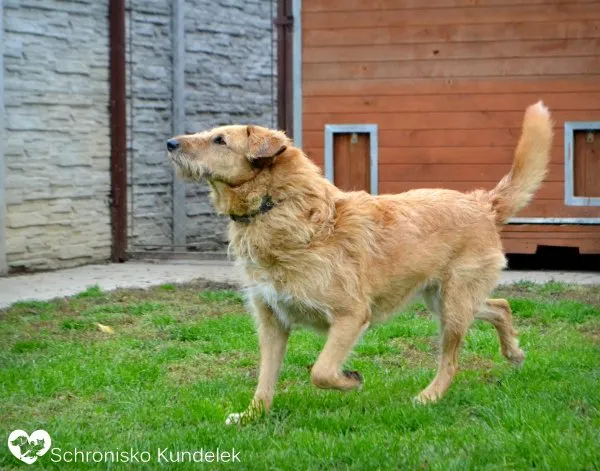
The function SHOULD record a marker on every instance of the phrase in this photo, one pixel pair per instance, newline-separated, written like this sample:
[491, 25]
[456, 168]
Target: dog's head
[229, 154]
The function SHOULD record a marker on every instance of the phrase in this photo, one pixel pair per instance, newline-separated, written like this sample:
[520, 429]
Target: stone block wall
[57, 148]
[149, 90]
[230, 77]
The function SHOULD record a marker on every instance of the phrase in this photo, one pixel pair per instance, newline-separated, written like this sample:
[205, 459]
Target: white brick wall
[57, 148]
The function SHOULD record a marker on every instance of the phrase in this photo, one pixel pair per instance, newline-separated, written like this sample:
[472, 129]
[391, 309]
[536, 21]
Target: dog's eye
[219, 140]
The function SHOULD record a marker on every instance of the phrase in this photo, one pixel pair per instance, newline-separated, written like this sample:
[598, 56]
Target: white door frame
[371, 130]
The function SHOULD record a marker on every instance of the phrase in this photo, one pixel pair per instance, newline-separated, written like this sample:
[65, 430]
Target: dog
[338, 262]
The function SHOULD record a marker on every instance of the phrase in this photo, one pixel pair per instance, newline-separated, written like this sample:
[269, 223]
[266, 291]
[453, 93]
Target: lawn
[180, 358]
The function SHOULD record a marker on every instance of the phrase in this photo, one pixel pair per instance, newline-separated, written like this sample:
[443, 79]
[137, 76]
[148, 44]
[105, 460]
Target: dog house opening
[351, 156]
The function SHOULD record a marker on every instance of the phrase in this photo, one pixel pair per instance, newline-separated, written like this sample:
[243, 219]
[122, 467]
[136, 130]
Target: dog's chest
[292, 311]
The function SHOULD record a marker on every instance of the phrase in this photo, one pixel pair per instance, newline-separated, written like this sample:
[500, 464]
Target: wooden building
[390, 95]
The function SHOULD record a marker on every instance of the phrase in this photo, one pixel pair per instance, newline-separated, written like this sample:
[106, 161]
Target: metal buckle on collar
[266, 205]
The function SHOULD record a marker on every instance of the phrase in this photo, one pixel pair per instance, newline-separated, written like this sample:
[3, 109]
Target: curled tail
[529, 167]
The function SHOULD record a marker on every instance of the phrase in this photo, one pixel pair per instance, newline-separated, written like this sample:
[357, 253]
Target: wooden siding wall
[447, 82]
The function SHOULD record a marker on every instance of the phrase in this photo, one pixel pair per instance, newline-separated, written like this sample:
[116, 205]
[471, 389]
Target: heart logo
[26, 447]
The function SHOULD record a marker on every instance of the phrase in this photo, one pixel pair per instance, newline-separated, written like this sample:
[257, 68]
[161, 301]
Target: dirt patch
[424, 355]
[591, 331]
[207, 366]
[476, 363]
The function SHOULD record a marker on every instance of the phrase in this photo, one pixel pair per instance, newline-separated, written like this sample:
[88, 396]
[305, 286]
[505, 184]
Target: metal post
[3, 245]
[118, 129]
[297, 72]
[179, 213]
[284, 23]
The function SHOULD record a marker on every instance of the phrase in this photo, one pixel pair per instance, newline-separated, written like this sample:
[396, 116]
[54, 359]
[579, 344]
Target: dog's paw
[355, 375]
[513, 353]
[254, 412]
[353, 380]
[426, 397]
[235, 419]
[516, 356]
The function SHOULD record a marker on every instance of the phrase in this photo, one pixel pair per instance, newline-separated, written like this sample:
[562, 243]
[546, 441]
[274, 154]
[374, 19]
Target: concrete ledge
[137, 274]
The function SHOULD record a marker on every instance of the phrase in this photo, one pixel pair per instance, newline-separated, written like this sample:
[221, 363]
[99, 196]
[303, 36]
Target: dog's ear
[265, 144]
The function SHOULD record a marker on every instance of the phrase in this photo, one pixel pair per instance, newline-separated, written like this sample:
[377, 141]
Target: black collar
[266, 205]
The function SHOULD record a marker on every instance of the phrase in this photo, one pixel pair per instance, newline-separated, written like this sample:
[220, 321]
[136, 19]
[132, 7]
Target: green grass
[92, 292]
[183, 357]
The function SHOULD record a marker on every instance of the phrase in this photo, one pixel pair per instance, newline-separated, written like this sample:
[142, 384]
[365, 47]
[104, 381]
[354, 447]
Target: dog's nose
[172, 144]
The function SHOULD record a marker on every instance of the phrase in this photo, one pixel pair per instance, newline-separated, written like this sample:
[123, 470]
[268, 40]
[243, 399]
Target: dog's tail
[529, 167]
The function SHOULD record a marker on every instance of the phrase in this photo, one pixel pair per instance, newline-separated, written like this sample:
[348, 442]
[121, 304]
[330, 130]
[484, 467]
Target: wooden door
[351, 161]
[586, 158]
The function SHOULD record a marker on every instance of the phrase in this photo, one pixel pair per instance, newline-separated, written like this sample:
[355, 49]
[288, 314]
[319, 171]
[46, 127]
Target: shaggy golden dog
[335, 261]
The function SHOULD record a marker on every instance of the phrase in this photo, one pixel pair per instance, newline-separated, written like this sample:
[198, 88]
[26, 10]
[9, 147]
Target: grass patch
[167, 287]
[27, 346]
[184, 356]
[221, 295]
[92, 292]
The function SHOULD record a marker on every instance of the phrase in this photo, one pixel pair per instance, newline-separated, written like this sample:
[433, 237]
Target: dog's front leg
[273, 339]
[327, 372]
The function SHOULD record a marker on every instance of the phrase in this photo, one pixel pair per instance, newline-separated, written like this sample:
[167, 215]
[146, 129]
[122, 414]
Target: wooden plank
[360, 163]
[519, 246]
[351, 162]
[485, 103]
[361, 5]
[407, 34]
[579, 164]
[587, 163]
[557, 209]
[439, 120]
[548, 232]
[589, 246]
[444, 155]
[439, 138]
[436, 86]
[448, 51]
[584, 231]
[374, 18]
[341, 162]
[458, 172]
[516, 67]
[548, 191]
[540, 207]
[529, 246]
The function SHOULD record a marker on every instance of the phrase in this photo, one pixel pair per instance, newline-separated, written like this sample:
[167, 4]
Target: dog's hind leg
[273, 337]
[498, 313]
[327, 372]
[453, 331]
[455, 303]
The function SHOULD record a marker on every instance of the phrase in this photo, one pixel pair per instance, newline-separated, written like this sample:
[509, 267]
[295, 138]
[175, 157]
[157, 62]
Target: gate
[191, 65]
